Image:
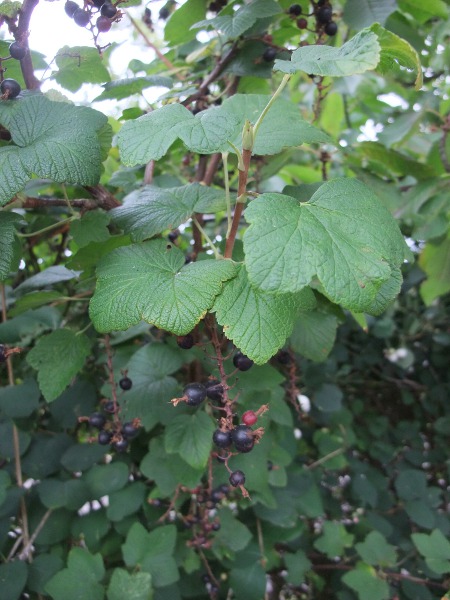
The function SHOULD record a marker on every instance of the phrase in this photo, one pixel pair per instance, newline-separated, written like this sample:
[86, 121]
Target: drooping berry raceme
[10, 88]
[17, 51]
[249, 417]
[97, 420]
[237, 478]
[222, 439]
[242, 362]
[125, 384]
[243, 438]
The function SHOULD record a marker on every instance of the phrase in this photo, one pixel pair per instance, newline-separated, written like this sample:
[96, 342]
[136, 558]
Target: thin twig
[26, 550]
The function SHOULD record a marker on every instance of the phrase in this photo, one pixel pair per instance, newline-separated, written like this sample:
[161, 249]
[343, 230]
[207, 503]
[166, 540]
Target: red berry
[249, 418]
[302, 23]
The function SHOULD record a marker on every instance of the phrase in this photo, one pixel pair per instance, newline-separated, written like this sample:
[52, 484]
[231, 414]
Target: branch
[21, 35]
[242, 187]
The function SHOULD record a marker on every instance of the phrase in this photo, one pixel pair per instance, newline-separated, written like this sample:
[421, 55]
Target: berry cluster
[82, 16]
[323, 13]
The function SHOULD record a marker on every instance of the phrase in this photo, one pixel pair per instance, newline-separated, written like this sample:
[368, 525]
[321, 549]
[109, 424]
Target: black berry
[104, 437]
[70, 7]
[81, 17]
[295, 10]
[242, 437]
[109, 407]
[331, 28]
[173, 235]
[98, 3]
[2, 353]
[216, 526]
[214, 390]
[121, 445]
[185, 341]
[108, 10]
[164, 13]
[17, 51]
[283, 357]
[129, 431]
[269, 54]
[242, 362]
[214, 7]
[103, 24]
[10, 87]
[237, 478]
[324, 14]
[222, 439]
[125, 384]
[217, 495]
[195, 393]
[97, 420]
[302, 23]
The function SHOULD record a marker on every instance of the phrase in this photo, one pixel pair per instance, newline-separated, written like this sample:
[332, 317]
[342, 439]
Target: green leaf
[80, 579]
[334, 539]
[33, 300]
[124, 88]
[92, 227]
[137, 586]
[376, 551]
[361, 53]
[435, 548]
[387, 293]
[366, 583]
[47, 277]
[178, 28]
[78, 65]
[43, 456]
[157, 209]
[395, 53]
[256, 321]
[313, 335]
[435, 261]
[58, 357]
[10, 9]
[13, 577]
[248, 583]
[209, 131]
[126, 501]
[190, 436]
[20, 400]
[282, 127]
[52, 140]
[71, 494]
[297, 565]
[149, 282]
[362, 13]
[41, 570]
[232, 534]
[328, 398]
[106, 479]
[82, 456]
[8, 223]
[233, 26]
[343, 236]
[423, 11]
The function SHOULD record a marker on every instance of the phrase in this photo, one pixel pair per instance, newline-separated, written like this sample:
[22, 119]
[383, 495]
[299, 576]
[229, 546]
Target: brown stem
[21, 35]
[83, 203]
[242, 188]
[104, 197]
[443, 145]
[112, 383]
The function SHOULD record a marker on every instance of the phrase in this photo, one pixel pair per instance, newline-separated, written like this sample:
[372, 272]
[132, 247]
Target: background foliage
[106, 229]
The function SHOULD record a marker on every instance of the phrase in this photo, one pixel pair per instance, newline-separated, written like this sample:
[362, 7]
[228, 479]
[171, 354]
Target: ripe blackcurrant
[129, 431]
[295, 9]
[222, 439]
[17, 51]
[173, 235]
[249, 417]
[164, 13]
[10, 87]
[324, 14]
[104, 437]
[185, 341]
[269, 54]
[109, 407]
[237, 478]
[195, 393]
[214, 390]
[103, 24]
[331, 28]
[2, 353]
[242, 362]
[125, 384]
[302, 23]
[108, 10]
[121, 445]
[70, 7]
[242, 437]
[98, 3]
[97, 420]
[81, 17]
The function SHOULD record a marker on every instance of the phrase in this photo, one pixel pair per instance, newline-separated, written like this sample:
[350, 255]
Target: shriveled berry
[104, 437]
[242, 437]
[324, 14]
[269, 54]
[331, 28]
[17, 51]
[214, 390]
[242, 362]
[295, 9]
[121, 445]
[237, 478]
[103, 24]
[125, 384]
[70, 7]
[109, 407]
[185, 341]
[302, 23]
[222, 439]
[195, 393]
[97, 420]
[129, 431]
[108, 10]
[10, 87]
[81, 17]
[249, 417]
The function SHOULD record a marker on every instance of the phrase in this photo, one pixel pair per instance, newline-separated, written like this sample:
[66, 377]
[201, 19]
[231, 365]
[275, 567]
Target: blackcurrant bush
[222, 439]
[104, 437]
[97, 420]
[195, 393]
[70, 7]
[237, 478]
[242, 362]
[249, 417]
[129, 431]
[81, 17]
[108, 10]
[295, 9]
[17, 51]
[2, 353]
[125, 384]
[164, 13]
[109, 407]
[121, 445]
[103, 24]
[331, 28]
[269, 54]
[302, 23]
[214, 390]
[242, 437]
[185, 341]
[324, 14]
[10, 87]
